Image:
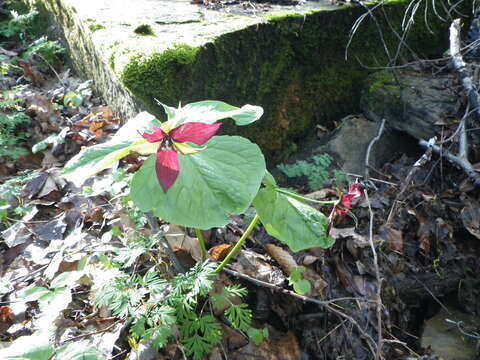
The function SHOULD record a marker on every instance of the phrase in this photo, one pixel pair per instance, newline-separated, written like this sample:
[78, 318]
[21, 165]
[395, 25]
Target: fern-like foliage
[155, 306]
[316, 171]
[11, 134]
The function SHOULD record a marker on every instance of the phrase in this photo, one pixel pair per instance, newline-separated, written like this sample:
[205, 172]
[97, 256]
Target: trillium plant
[195, 178]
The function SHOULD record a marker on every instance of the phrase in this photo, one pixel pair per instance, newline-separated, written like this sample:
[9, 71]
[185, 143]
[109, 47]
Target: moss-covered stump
[293, 64]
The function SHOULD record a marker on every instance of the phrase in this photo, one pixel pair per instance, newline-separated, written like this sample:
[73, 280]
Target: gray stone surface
[414, 102]
[348, 144]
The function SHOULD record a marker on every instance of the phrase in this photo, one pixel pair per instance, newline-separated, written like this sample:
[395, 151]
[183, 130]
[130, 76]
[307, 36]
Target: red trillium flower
[172, 142]
[344, 204]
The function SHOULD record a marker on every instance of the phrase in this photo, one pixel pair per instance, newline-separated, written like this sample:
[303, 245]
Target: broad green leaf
[80, 350]
[55, 301]
[32, 294]
[67, 278]
[94, 159]
[211, 111]
[54, 140]
[213, 184]
[268, 179]
[294, 223]
[132, 128]
[34, 347]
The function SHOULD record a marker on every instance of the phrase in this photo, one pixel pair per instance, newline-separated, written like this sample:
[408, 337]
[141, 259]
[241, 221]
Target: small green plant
[153, 307]
[18, 25]
[50, 52]
[11, 134]
[316, 170]
[300, 286]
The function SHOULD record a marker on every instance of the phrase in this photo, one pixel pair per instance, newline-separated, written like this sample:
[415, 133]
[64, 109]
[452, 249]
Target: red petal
[167, 168]
[195, 132]
[354, 190]
[156, 136]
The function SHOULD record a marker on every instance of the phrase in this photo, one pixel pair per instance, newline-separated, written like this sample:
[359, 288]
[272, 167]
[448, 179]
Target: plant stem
[201, 241]
[239, 244]
[300, 197]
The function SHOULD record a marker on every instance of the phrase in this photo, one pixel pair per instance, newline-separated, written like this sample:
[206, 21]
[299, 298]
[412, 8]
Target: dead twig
[378, 354]
[165, 244]
[418, 164]
[461, 159]
[369, 149]
[327, 304]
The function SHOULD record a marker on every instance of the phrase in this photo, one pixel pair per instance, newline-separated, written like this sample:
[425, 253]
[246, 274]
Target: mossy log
[293, 64]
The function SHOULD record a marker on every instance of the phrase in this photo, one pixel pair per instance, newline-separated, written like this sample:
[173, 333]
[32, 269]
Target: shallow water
[446, 340]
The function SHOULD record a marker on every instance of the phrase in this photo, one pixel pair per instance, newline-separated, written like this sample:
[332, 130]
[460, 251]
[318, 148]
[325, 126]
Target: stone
[349, 142]
[414, 102]
[291, 62]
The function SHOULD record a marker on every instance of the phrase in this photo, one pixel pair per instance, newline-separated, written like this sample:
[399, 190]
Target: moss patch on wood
[294, 66]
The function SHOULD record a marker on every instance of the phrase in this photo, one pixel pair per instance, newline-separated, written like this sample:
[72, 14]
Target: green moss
[382, 79]
[162, 76]
[95, 27]
[145, 30]
[294, 66]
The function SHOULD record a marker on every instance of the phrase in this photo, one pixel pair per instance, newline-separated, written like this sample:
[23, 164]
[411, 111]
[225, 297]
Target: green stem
[201, 241]
[239, 244]
[300, 197]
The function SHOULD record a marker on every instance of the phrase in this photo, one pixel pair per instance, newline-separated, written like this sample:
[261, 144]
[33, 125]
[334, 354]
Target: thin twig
[463, 164]
[378, 354]
[369, 149]
[91, 333]
[324, 303]
[372, 179]
[165, 244]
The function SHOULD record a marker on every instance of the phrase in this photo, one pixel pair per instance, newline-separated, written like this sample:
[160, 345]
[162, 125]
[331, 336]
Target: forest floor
[61, 244]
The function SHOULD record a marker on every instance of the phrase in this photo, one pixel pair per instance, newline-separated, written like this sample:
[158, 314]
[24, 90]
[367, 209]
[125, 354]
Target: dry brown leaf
[470, 215]
[219, 252]
[393, 238]
[178, 239]
[277, 346]
[288, 264]
[256, 266]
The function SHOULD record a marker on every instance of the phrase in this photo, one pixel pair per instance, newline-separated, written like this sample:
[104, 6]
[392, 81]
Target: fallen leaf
[289, 265]
[219, 252]
[470, 215]
[393, 238]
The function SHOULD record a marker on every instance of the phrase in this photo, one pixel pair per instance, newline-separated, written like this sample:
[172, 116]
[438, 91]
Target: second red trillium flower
[171, 142]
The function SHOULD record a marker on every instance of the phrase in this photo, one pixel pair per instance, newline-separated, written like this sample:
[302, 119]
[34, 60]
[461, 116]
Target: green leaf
[67, 278]
[34, 347]
[269, 180]
[211, 111]
[240, 316]
[81, 350]
[32, 294]
[296, 274]
[294, 223]
[55, 301]
[213, 184]
[54, 139]
[94, 159]
[74, 98]
[257, 335]
[302, 287]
